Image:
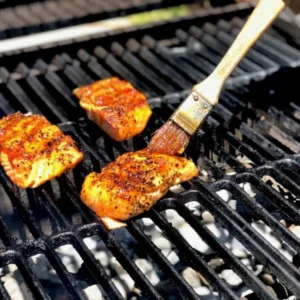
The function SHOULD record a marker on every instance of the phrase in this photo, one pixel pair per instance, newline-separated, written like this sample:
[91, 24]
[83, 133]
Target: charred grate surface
[251, 139]
[188, 50]
[40, 16]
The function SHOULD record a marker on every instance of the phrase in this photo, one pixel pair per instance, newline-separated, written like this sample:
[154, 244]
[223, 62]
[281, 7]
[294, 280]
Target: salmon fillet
[33, 151]
[133, 184]
[115, 106]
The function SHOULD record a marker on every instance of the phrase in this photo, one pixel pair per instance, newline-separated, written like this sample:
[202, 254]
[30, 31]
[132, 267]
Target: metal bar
[60, 35]
[259, 212]
[196, 260]
[96, 269]
[27, 215]
[251, 239]
[66, 278]
[183, 288]
[30, 278]
[248, 277]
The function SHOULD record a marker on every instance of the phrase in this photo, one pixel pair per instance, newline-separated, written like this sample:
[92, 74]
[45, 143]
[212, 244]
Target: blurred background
[20, 17]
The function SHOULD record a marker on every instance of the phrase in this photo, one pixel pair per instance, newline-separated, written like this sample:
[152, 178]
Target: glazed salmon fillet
[33, 151]
[116, 106]
[133, 184]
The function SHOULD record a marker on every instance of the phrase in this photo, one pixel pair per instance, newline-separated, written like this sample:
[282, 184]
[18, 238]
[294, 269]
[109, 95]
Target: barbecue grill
[240, 217]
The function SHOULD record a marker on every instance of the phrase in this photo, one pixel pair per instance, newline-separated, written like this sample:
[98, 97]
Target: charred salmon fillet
[115, 106]
[33, 151]
[133, 184]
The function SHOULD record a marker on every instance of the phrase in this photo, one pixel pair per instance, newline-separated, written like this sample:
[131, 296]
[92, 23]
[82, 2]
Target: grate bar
[201, 63]
[133, 62]
[45, 199]
[184, 289]
[120, 69]
[52, 105]
[289, 183]
[260, 212]
[15, 89]
[61, 88]
[268, 39]
[206, 55]
[192, 256]
[178, 63]
[119, 252]
[29, 277]
[288, 207]
[66, 278]
[5, 106]
[261, 142]
[97, 270]
[29, 219]
[252, 281]
[154, 62]
[251, 239]
[6, 236]
[92, 64]
[244, 148]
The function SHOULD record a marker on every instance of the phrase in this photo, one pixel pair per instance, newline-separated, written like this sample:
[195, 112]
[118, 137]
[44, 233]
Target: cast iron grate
[236, 145]
[39, 16]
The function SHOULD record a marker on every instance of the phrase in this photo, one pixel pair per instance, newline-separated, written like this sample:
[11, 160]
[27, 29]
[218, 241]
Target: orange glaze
[32, 150]
[133, 183]
[119, 109]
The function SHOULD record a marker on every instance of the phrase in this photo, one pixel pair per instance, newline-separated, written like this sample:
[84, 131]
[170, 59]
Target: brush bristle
[169, 139]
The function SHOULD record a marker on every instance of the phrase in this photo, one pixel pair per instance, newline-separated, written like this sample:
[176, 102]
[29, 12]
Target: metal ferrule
[191, 114]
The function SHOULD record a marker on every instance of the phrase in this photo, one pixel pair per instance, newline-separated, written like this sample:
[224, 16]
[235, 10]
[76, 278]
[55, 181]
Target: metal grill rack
[40, 16]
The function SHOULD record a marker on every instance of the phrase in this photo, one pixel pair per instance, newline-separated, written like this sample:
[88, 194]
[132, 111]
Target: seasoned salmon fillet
[116, 106]
[33, 151]
[133, 184]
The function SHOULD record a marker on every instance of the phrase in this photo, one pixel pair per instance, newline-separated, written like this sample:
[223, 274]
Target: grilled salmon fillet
[133, 184]
[116, 106]
[32, 150]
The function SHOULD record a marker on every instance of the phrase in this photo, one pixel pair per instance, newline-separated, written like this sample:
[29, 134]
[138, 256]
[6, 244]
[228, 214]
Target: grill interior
[18, 18]
[248, 147]
[188, 50]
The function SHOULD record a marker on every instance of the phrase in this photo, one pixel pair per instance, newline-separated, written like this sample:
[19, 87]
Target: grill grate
[252, 138]
[240, 134]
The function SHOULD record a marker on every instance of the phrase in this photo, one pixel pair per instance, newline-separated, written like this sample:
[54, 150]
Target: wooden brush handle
[260, 19]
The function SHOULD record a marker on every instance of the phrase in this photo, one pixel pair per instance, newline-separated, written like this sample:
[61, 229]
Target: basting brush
[173, 137]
